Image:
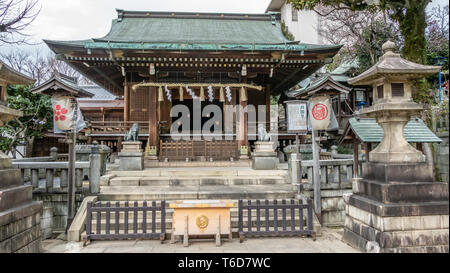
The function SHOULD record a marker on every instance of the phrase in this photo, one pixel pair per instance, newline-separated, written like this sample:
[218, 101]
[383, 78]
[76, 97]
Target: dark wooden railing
[116, 127]
[270, 222]
[113, 222]
[182, 150]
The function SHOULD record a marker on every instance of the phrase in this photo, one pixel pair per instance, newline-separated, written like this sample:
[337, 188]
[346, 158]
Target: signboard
[320, 112]
[297, 116]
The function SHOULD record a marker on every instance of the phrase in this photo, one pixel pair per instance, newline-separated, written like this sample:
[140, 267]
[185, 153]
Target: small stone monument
[264, 156]
[396, 206]
[131, 156]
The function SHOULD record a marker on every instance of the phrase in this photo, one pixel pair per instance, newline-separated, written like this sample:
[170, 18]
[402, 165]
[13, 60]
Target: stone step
[16, 196]
[199, 172]
[192, 181]
[146, 193]
[181, 164]
[10, 178]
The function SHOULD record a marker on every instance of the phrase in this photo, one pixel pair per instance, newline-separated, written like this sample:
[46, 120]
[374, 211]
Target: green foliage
[374, 36]
[287, 34]
[37, 117]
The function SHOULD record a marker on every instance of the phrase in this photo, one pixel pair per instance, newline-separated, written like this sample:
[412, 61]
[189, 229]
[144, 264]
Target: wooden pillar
[367, 148]
[126, 102]
[243, 119]
[355, 158]
[153, 117]
[339, 110]
[267, 89]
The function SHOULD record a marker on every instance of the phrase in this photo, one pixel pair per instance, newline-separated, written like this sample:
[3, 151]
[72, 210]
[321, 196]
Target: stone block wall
[333, 206]
[441, 153]
[57, 202]
[23, 234]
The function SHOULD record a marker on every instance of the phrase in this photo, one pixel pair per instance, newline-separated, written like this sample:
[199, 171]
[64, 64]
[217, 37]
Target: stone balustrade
[56, 174]
[334, 174]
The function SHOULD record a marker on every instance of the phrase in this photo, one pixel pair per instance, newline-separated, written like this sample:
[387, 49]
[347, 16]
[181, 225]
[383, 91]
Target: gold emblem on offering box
[202, 221]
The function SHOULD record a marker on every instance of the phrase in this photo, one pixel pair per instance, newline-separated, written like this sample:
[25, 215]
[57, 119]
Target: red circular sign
[320, 111]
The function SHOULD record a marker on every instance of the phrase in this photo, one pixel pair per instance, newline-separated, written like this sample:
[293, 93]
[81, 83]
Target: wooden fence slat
[135, 217]
[275, 215]
[249, 216]
[117, 214]
[108, 204]
[283, 213]
[292, 215]
[300, 214]
[126, 219]
[267, 214]
[153, 217]
[144, 217]
[258, 215]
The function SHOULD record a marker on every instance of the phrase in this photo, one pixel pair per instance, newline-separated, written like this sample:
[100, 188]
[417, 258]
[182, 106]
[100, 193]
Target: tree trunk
[412, 26]
[29, 146]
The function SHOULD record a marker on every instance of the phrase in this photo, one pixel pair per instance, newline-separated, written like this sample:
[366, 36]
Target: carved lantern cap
[393, 65]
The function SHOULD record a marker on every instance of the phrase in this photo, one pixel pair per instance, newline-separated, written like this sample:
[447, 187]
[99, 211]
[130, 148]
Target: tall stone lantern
[396, 206]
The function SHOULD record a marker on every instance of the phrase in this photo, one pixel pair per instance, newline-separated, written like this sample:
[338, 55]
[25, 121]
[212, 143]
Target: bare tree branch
[15, 17]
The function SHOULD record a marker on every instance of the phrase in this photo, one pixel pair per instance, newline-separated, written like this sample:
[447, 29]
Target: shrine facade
[159, 60]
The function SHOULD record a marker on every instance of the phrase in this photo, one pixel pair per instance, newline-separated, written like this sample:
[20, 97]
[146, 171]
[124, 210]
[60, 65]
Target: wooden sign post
[297, 122]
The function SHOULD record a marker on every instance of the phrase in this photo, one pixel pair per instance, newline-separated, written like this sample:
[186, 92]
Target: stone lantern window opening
[380, 92]
[397, 89]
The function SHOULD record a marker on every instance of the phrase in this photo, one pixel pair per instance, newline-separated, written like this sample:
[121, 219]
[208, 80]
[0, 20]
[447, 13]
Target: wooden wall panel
[139, 104]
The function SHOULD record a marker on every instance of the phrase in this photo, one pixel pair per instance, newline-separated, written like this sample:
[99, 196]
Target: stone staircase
[195, 183]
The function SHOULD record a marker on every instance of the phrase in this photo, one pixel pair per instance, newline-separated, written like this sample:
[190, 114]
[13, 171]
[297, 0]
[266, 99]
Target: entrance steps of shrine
[195, 183]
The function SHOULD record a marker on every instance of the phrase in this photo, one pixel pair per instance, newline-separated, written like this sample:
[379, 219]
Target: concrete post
[54, 153]
[295, 170]
[94, 170]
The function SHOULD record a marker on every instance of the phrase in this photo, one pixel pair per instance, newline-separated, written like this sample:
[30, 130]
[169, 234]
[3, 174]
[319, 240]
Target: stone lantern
[396, 206]
[393, 106]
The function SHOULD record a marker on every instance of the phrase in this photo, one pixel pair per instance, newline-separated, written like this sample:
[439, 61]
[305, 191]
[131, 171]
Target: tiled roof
[98, 92]
[368, 130]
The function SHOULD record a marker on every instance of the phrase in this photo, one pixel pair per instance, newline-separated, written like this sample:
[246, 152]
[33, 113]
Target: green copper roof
[368, 130]
[201, 31]
[141, 30]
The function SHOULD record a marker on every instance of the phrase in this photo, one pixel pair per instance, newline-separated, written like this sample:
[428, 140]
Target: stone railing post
[334, 151]
[54, 153]
[94, 169]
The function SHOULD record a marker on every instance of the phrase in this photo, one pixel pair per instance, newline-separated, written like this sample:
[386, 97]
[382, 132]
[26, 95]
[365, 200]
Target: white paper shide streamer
[190, 92]
[228, 93]
[210, 93]
[168, 94]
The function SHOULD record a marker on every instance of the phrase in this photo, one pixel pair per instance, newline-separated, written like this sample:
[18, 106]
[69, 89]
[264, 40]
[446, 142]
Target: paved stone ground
[329, 242]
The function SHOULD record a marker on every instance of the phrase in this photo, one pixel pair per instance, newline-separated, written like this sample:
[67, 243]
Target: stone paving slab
[329, 242]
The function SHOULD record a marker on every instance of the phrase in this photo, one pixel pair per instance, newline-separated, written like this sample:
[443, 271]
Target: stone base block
[402, 191]
[10, 178]
[131, 146]
[15, 196]
[261, 146]
[130, 161]
[397, 172]
[370, 238]
[264, 163]
[403, 227]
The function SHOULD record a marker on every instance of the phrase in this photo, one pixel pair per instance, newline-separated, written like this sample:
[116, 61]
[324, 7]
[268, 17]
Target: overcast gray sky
[82, 19]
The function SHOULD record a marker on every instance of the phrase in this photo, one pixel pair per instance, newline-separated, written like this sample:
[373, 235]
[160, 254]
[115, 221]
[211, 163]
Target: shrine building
[156, 60]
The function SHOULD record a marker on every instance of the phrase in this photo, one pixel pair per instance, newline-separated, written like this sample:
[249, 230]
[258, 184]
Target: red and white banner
[64, 110]
[320, 112]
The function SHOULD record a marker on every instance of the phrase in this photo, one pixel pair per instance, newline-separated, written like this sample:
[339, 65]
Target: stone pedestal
[397, 207]
[20, 231]
[264, 157]
[131, 156]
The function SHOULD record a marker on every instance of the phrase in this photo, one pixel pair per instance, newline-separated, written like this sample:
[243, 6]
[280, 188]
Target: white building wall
[306, 29]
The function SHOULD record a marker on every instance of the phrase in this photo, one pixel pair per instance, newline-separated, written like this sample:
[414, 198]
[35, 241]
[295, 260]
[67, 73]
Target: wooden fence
[117, 226]
[182, 150]
[289, 213]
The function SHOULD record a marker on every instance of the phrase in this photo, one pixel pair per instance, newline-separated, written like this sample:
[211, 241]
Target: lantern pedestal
[131, 157]
[264, 157]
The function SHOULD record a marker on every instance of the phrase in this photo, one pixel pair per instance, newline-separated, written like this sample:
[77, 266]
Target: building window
[294, 14]
[397, 90]
[380, 91]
